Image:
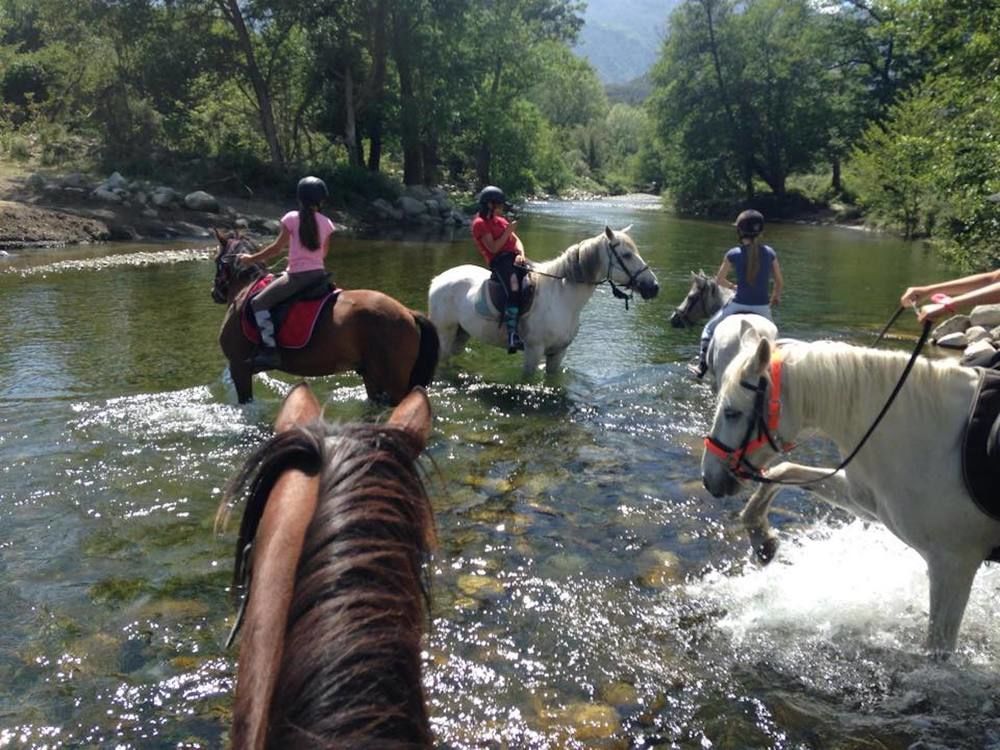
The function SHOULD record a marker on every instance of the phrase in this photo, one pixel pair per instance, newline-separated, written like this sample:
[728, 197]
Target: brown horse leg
[243, 380]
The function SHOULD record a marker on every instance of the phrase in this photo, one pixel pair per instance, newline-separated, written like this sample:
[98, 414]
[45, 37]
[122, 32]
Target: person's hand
[244, 259]
[775, 300]
[511, 225]
[520, 260]
[930, 312]
[911, 296]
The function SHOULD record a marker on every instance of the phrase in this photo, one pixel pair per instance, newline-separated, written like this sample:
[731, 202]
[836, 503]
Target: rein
[737, 459]
[698, 299]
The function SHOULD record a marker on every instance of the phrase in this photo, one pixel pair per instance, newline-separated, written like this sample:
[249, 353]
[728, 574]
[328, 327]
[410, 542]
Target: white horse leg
[950, 583]
[835, 490]
[553, 360]
[446, 335]
[532, 358]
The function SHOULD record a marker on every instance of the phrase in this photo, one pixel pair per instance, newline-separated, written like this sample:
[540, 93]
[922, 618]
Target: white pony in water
[458, 308]
[705, 298]
[909, 475]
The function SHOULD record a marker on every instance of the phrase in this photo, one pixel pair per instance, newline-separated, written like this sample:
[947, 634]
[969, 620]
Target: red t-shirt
[495, 226]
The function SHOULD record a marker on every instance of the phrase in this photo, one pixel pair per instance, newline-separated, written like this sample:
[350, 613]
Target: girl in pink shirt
[306, 233]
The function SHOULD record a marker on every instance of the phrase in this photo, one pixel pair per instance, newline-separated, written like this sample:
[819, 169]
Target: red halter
[765, 421]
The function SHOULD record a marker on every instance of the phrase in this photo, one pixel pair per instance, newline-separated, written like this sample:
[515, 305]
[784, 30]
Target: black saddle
[498, 295]
[981, 445]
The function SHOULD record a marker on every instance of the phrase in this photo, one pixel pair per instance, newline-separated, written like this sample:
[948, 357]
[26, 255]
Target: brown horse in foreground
[333, 539]
[392, 347]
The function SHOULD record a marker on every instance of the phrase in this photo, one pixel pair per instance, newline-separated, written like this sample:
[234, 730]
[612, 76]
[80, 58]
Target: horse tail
[430, 350]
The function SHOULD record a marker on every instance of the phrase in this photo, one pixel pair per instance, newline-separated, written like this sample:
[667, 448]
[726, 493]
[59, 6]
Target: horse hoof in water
[765, 549]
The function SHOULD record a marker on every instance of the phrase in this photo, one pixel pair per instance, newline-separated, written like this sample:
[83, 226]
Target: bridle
[226, 268]
[632, 277]
[764, 421]
[684, 312]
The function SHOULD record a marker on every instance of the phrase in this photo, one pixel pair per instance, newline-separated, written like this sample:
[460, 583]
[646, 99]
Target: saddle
[294, 319]
[981, 445]
[492, 297]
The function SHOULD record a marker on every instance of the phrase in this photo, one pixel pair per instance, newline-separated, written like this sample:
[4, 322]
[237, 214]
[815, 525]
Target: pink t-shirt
[300, 257]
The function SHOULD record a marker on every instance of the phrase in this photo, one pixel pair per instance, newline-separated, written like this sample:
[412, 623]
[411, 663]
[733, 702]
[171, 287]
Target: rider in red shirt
[504, 254]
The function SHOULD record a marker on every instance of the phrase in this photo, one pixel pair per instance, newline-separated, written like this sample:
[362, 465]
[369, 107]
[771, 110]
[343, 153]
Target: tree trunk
[484, 159]
[354, 155]
[413, 171]
[836, 182]
[375, 94]
[231, 9]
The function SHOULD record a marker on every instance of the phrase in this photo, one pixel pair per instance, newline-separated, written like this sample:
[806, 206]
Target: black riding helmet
[749, 223]
[311, 191]
[492, 194]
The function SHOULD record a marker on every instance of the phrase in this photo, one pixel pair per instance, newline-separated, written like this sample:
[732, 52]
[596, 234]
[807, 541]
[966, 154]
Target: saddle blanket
[981, 446]
[294, 321]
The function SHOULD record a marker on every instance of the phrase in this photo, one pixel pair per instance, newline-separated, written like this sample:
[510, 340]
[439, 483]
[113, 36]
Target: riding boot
[514, 343]
[266, 357]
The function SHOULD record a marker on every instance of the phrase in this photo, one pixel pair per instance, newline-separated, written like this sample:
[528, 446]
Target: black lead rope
[895, 316]
[892, 397]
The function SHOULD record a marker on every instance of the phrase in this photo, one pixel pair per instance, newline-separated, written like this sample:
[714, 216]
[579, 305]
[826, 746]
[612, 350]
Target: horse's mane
[351, 672]
[831, 374]
[582, 263]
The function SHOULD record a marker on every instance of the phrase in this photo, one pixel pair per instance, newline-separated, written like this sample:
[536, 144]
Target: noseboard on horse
[908, 476]
[563, 286]
[330, 564]
[390, 346]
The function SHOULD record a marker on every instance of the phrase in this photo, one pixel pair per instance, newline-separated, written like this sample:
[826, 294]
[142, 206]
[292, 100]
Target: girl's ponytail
[308, 227]
[753, 252]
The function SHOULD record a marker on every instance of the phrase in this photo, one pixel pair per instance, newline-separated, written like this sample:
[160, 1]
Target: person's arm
[779, 283]
[279, 244]
[722, 277]
[916, 294]
[520, 259]
[987, 295]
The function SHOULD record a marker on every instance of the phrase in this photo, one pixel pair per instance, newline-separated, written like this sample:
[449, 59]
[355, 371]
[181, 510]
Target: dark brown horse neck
[330, 654]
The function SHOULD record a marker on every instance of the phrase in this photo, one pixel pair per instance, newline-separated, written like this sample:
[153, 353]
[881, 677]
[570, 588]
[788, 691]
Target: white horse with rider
[460, 307]
[912, 474]
[705, 297]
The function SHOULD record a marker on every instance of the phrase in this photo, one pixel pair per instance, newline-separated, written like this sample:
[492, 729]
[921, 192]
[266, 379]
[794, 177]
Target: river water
[588, 592]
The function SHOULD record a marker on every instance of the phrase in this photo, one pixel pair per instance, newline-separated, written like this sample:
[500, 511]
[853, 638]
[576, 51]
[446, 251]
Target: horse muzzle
[719, 481]
[648, 289]
[217, 296]
[679, 320]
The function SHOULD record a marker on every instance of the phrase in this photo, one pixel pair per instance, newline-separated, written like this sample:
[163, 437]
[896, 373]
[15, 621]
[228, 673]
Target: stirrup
[698, 369]
[514, 343]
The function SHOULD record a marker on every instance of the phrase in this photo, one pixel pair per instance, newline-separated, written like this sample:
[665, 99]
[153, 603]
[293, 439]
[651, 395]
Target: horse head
[702, 301]
[336, 530]
[741, 408]
[626, 268]
[228, 271]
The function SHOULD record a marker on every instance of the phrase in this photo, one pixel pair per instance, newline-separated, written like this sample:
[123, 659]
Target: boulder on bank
[975, 334]
[199, 200]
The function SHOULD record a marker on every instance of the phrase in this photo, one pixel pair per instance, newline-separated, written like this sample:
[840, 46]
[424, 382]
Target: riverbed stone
[975, 333]
[105, 195]
[585, 721]
[660, 568]
[987, 316]
[165, 197]
[954, 324]
[953, 341]
[976, 349]
[481, 587]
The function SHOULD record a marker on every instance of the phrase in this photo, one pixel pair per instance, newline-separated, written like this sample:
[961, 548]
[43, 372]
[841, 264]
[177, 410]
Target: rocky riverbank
[38, 210]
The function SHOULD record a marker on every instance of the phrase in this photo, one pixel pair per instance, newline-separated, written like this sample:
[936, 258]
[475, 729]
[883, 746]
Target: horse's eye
[627, 255]
[731, 414]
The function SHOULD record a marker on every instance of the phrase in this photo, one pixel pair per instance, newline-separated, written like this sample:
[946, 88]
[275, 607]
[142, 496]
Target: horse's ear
[299, 408]
[609, 232]
[763, 356]
[414, 415]
[626, 230]
[749, 336]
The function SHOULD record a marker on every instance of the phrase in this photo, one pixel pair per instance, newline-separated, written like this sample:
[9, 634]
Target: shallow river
[588, 592]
